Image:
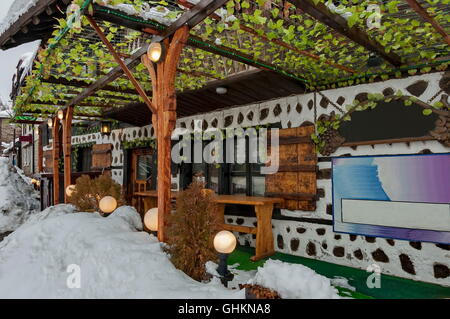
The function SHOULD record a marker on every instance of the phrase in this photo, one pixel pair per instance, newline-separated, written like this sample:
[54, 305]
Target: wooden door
[295, 180]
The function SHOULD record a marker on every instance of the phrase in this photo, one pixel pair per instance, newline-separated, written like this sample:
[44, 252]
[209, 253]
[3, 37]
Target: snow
[4, 114]
[26, 64]
[18, 199]
[114, 258]
[294, 281]
[17, 9]
[157, 13]
[342, 282]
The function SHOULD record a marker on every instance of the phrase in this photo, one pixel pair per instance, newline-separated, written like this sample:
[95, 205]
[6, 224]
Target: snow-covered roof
[17, 9]
[5, 114]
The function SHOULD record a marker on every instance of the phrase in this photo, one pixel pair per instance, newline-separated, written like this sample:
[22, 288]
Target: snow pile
[112, 258]
[18, 199]
[7, 147]
[294, 281]
[17, 9]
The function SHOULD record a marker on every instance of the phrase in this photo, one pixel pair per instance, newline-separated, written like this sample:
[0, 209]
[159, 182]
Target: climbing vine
[249, 30]
[147, 142]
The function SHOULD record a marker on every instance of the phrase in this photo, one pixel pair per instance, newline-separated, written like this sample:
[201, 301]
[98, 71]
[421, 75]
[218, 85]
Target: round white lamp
[60, 114]
[224, 243]
[155, 52]
[108, 204]
[151, 219]
[221, 90]
[69, 190]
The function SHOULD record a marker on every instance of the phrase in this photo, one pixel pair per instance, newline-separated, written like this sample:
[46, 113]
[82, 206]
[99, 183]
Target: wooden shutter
[101, 156]
[296, 179]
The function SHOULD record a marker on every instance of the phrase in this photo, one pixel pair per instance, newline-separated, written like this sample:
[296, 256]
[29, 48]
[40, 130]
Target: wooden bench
[263, 210]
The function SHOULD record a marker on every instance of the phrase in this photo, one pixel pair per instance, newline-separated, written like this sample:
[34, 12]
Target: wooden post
[67, 148]
[40, 149]
[55, 153]
[164, 100]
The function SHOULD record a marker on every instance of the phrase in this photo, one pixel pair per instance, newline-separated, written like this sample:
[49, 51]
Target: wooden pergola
[79, 96]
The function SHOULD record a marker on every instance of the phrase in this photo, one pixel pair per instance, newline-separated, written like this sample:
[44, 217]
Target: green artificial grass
[391, 287]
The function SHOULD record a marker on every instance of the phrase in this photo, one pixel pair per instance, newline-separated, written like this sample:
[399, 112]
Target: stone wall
[310, 234]
[7, 132]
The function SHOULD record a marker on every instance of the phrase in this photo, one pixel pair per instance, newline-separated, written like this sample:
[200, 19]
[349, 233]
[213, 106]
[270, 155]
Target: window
[243, 175]
[81, 158]
[143, 167]
[239, 177]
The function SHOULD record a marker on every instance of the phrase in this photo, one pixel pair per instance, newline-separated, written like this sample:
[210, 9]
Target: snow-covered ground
[62, 253]
[18, 199]
[114, 258]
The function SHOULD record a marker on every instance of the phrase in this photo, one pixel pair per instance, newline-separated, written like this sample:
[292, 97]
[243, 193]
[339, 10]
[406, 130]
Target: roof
[308, 41]
[30, 20]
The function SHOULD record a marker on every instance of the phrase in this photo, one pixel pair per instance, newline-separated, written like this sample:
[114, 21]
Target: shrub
[191, 231]
[88, 192]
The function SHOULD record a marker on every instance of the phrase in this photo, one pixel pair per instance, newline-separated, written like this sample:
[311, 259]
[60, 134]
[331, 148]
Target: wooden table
[263, 230]
[150, 198]
[263, 210]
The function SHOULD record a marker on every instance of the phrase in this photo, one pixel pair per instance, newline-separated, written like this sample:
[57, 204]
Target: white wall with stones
[310, 234]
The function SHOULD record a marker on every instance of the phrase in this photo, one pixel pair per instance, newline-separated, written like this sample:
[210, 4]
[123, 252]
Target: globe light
[108, 204]
[70, 189]
[36, 130]
[221, 90]
[60, 114]
[50, 122]
[155, 52]
[151, 219]
[225, 242]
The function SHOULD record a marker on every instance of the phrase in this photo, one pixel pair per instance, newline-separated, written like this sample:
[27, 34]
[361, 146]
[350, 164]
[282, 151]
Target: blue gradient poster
[420, 181]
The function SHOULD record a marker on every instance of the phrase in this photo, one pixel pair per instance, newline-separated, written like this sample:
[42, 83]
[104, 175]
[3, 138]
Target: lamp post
[224, 243]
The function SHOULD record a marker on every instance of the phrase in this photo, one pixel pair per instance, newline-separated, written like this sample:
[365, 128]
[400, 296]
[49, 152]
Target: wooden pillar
[40, 149]
[164, 100]
[67, 148]
[55, 153]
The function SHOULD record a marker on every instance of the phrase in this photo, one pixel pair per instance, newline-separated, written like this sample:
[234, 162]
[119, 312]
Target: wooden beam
[63, 102]
[425, 15]
[204, 7]
[55, 156]
[321, 13]
[84, 84]
[164, 97]
[53, 113]
[67, 148]
[118, 59]
[40, 148]
[191, 18]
